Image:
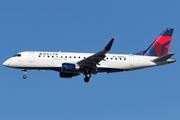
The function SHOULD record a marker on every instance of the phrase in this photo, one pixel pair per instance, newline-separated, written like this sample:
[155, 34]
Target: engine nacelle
[69, 67]
[67, 75]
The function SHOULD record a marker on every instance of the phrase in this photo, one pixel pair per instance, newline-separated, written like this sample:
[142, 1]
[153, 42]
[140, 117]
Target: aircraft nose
[6, 63]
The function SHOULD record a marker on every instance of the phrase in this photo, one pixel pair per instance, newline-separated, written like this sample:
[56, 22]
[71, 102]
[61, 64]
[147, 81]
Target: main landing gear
[25, 72]
[87, 76]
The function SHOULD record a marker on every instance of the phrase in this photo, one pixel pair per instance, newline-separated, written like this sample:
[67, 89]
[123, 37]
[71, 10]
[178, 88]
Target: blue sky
[87, 26]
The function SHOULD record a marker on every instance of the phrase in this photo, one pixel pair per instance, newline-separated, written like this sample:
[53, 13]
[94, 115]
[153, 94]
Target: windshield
[17, 55]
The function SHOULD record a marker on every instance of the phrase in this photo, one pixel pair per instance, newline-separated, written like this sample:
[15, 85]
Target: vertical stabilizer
[160, 46]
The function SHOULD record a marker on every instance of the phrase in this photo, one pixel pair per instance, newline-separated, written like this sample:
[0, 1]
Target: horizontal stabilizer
[163, 58]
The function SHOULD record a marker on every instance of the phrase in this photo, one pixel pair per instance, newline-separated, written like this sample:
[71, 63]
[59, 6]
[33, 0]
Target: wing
[93, 60]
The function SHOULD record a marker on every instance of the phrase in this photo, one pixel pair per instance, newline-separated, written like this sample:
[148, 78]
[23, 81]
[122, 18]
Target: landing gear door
[131, 60]
[31, 57]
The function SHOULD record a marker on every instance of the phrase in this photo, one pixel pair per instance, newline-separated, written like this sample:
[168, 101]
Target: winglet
[108, 46]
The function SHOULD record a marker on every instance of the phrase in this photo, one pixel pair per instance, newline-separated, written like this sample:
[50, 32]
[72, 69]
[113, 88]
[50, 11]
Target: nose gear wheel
[25, 72]
[24, 76]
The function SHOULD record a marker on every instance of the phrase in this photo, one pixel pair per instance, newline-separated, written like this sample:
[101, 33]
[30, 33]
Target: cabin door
[31, 57]
[131, 60]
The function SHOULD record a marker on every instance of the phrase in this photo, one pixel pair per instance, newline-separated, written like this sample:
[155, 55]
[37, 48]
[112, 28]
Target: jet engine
[68, 67]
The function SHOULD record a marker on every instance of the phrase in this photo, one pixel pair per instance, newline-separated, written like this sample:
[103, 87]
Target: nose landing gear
[25, 72]
[24, 76]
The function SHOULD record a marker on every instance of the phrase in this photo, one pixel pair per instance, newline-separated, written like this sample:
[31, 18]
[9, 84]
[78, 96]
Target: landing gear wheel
[88, 75]
[25, 72]
[86, 79]
[24, 76]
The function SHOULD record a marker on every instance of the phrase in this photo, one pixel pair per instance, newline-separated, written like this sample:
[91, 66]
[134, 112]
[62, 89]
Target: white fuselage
[53, 61]
[71, 64]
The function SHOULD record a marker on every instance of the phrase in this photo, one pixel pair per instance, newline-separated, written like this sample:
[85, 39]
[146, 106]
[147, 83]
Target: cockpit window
[17, 55]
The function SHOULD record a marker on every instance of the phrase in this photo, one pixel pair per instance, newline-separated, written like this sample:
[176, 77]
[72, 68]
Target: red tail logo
[161, 45]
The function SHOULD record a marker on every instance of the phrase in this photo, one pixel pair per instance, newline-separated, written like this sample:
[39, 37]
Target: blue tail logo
[160, 46]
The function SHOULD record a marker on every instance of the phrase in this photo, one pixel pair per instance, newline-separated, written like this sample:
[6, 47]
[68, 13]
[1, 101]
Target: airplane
[70, 64]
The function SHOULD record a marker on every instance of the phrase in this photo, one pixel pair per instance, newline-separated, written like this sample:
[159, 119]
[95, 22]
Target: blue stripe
[100, 69]
[167, 32]
[108, 70]
[150, 51]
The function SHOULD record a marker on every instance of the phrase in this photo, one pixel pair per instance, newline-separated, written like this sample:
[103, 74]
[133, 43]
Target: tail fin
[160, 46]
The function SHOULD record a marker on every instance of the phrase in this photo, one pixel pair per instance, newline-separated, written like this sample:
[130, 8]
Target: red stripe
[157, 44]
[163, 39]
[166, 49]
